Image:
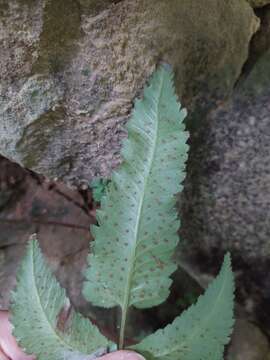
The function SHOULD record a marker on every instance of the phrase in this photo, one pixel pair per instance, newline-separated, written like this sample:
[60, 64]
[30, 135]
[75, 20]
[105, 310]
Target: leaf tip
[227, 262]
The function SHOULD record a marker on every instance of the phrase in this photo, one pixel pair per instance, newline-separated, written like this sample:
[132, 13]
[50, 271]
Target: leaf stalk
[122, 328]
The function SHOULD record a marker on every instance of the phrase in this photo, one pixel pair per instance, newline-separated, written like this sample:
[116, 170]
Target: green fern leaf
[131, 260]
[37, 303]
[202, 331]
[98, 187]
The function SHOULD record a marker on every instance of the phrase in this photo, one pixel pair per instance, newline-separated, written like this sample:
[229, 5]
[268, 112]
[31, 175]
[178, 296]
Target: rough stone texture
[228, 183]
[258, 3]
[248, 342]
[70, 70]
[260, 42]
[226, 201]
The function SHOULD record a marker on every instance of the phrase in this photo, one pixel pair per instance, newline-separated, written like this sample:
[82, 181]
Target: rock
[36, 102]
[258, 3]
[259, 43]
[227, 188]
[248, 342]
[70, 71]
[256, 72]
[227, 191]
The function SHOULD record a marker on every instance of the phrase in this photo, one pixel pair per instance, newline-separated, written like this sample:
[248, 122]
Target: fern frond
[37, 304]
[202, 331]
[131, 260]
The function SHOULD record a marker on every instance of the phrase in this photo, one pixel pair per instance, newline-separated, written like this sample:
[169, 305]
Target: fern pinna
[37, 303]
[130, 262]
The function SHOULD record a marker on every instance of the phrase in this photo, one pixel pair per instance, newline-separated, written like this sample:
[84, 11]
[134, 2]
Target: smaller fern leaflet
[202, 331]
[37, 304]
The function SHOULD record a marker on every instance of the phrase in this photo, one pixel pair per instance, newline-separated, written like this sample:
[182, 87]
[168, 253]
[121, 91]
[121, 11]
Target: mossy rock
[97, 56]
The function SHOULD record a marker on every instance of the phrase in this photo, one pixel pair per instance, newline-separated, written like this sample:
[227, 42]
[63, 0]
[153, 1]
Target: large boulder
[226, 201]
[70, 71]
[228, 183]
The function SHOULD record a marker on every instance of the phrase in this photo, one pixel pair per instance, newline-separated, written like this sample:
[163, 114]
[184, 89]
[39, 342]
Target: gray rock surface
[248, 342]
[226, 201]
[70, 71]
[227, 198]
[258, 3]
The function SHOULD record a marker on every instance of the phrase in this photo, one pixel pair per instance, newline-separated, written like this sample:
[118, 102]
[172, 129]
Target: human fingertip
[123, 355]
[3, 356]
